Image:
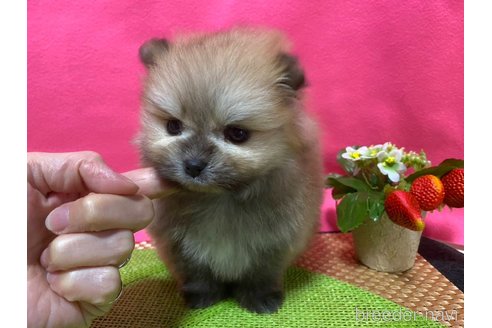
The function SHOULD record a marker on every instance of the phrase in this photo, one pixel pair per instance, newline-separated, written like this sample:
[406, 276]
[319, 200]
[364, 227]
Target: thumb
[79, 172]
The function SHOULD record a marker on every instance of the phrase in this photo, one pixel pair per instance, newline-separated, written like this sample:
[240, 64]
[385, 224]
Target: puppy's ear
[292, 74]
[149, 51]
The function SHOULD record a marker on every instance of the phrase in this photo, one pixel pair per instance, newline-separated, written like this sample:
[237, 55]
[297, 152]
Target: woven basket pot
[386, 246]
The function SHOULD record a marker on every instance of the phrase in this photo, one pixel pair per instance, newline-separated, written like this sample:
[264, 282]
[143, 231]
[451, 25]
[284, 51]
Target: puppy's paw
[199, 295]
[195, 300]
[260, 301]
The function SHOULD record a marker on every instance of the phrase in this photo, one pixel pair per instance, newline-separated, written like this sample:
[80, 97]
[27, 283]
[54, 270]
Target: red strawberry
[403, 209]
[429, 192]
[454, 187]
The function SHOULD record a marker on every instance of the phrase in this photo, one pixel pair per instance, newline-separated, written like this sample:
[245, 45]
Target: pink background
[378, 71]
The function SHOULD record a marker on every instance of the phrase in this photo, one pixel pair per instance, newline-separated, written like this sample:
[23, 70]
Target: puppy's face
[220, 110]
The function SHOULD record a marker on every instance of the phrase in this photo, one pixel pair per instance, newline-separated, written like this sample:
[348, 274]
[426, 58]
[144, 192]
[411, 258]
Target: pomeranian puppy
[222, 119]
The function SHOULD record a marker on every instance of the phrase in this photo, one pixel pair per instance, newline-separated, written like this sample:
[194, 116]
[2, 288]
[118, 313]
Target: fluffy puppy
[223, 120]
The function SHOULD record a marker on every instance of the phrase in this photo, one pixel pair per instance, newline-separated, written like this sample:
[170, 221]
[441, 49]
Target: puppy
[222, 119]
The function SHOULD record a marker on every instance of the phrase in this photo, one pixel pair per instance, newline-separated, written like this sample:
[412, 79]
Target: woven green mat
[312, 300]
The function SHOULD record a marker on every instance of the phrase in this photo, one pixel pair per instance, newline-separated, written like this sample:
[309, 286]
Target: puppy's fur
[235, 228]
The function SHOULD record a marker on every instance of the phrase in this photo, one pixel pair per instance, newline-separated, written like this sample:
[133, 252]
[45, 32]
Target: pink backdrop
[378, 71]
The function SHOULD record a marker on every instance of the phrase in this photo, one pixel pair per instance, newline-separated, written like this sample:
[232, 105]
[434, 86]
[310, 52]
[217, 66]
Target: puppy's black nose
[193, 167]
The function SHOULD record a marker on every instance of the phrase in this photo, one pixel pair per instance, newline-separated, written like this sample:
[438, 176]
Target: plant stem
[367, 181]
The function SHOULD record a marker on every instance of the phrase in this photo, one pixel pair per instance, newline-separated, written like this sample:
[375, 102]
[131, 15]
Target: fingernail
[126, 179]
[50, 278]
[44, 259]
[57, 220]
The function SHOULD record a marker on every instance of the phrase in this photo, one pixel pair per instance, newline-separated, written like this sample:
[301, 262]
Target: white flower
[355, 154]
[372, 151]
[388, 147]
[390, 163]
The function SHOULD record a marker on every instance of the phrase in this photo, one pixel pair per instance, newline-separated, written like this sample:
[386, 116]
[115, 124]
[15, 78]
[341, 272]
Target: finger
[149, 183]
[70, 251]
[98, 212]
[97, 286]
[79, 172]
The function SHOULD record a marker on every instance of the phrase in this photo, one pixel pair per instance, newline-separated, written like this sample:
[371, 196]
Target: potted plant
[384, 196]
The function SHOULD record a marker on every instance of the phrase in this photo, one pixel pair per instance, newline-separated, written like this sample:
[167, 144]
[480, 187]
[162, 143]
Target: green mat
[312, 300]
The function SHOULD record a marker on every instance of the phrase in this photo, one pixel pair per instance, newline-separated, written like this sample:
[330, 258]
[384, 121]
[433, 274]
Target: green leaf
[339, 189]
[357, 207]
[334, 180]
[439, 170]
[331, 180]
[343, 185]
[351, 212]
[374, 179]
[375, 205]
[456, 163]
[354, 183]
[338, 193]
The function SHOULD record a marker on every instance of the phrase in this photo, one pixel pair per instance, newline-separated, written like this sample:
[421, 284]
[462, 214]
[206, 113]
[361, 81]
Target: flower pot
[386, 246]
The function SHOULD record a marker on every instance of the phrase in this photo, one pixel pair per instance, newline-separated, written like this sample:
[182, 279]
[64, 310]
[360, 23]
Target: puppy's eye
[174, 127]
[235, 134]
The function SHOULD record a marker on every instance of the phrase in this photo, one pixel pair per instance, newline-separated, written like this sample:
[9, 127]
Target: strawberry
[429, 192]
[454, 188]
[403, 209]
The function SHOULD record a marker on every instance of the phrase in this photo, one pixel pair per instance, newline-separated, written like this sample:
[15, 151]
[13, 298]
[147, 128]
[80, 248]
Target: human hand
[81, 219]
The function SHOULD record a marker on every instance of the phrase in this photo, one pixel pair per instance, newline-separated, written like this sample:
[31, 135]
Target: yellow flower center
[374, 152]
[390, 160]
[356, 155]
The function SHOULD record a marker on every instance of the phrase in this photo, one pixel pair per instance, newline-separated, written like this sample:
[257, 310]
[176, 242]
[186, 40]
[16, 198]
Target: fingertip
[149, 183]
[131, 187]
[147, 212]
[58, 219]
[94, 285]
[44, 259]
[50, 278]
